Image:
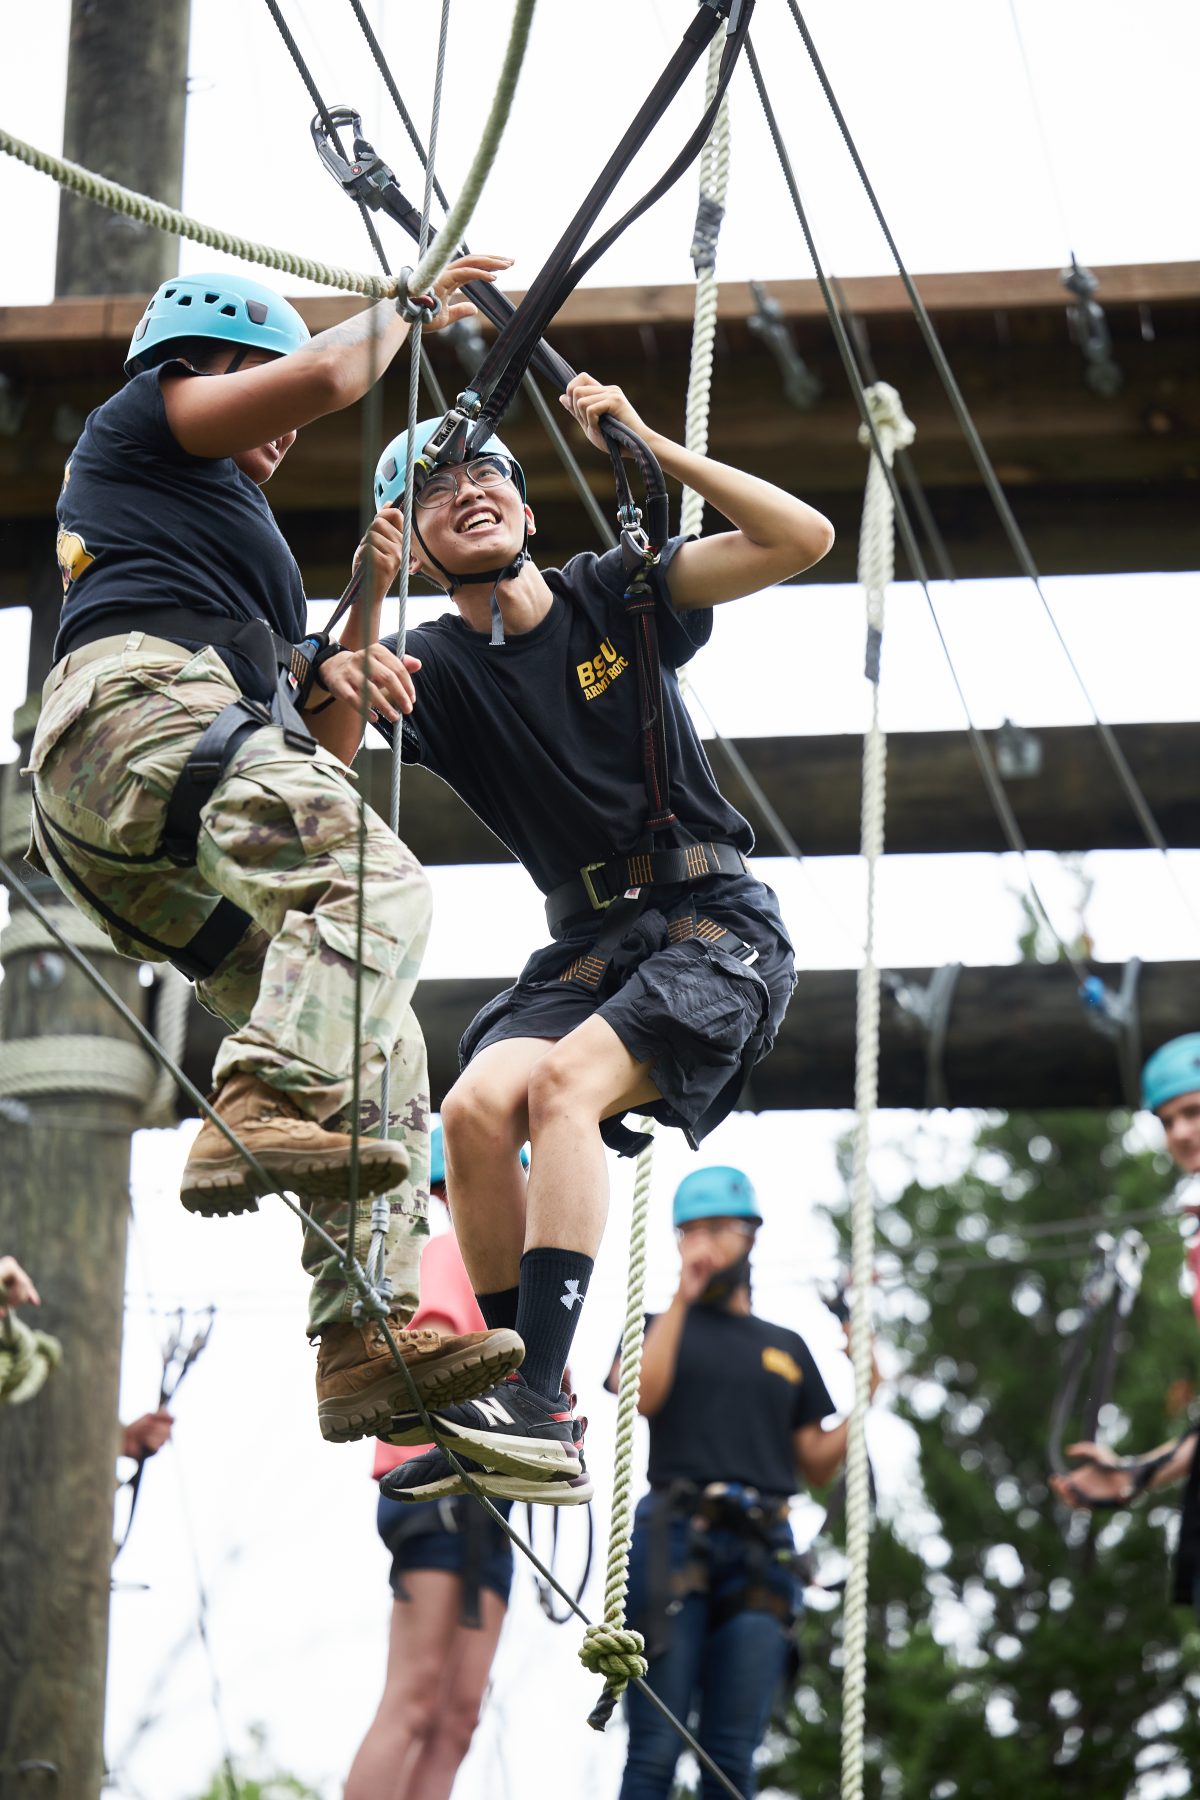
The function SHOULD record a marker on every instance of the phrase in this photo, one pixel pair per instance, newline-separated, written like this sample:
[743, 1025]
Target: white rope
[714, 183]
[876, 564]
[75, 1065]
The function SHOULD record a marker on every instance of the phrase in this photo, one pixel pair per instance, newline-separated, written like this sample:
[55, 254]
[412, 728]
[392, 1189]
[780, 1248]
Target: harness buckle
[585, 875]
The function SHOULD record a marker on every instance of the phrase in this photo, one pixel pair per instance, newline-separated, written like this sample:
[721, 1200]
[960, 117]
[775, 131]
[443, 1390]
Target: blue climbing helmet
[231, 308]
[389, 489]
[716, 1193]
[1174, 1069]
[389, 471]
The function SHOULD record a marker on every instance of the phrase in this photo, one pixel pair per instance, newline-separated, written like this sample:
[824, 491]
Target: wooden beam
[109, 319]
[936, 797]
[1016, 1036]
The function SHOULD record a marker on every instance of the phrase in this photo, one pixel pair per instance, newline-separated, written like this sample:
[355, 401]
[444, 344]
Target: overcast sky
[281, 1526]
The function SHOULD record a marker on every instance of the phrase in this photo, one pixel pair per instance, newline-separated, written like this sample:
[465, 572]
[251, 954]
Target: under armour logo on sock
[570, 1295]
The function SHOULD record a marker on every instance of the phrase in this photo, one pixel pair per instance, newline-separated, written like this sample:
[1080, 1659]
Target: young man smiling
[527, 703]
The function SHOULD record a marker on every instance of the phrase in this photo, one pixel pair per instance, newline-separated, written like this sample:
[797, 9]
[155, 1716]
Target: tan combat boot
[359, 1386]
[294, 1151]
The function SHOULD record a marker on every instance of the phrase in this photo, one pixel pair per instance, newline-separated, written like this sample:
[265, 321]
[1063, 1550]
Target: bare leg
[485, 1120]
[584, 1078]
[462, 1697]
[419, 1646]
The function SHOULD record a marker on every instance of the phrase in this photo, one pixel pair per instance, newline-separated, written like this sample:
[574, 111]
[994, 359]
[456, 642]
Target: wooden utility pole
[126, 93]
[72, 1082]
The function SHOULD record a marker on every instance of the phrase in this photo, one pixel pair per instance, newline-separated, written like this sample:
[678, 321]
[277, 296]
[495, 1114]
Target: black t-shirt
[1187, 1555]
[742, 1387]
[143, 523]
[541, 736]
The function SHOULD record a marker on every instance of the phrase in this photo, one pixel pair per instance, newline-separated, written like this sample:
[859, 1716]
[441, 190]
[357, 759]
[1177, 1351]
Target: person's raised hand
[16, 1289]
[454, 276]
[142, 1437]
[588, 400]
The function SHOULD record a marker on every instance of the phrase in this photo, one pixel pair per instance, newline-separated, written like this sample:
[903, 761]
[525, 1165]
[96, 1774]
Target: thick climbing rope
[876, 566]
[714, 184]
[983, 462]
[166, 218]
[610, 1648]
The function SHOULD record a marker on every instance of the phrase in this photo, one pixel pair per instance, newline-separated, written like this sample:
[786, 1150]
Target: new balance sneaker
[511, 1430]
[431, 1477]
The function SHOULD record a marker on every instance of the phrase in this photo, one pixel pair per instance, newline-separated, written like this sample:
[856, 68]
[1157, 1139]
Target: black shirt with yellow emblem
[541, 736]
[142, 523]
[742, 1387]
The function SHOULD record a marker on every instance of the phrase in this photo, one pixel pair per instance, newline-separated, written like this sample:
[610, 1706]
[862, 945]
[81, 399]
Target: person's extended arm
[390, 691]
[334, 369]
[660, 1356]
[819, 1454]
[775, 535]
[1103, 1478]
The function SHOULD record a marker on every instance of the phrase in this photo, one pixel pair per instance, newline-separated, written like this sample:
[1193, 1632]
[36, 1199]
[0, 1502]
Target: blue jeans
[727, 1673]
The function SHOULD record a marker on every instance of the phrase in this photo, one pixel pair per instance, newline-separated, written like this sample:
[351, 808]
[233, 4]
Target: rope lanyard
[876, 567]
[176, 1361]
[1109, 1290]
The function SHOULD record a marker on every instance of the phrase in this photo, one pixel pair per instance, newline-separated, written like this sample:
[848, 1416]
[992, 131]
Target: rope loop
[896, 430]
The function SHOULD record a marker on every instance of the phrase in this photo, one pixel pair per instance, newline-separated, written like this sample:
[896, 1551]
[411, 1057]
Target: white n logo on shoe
[493, 1412]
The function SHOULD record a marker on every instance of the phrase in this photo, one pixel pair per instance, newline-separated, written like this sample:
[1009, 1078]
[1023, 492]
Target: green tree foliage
[1017, 1652]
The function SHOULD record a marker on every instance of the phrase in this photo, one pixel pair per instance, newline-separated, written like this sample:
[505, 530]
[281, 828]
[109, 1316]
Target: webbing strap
[501, 371]
[203, 953]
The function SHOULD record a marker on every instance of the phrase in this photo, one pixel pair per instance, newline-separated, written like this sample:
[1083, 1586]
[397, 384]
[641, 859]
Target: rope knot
[896, 430]
[617, 1654]
[27, 1357]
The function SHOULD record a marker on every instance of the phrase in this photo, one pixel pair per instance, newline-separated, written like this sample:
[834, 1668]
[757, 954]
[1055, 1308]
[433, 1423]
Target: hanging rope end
[617, 1654]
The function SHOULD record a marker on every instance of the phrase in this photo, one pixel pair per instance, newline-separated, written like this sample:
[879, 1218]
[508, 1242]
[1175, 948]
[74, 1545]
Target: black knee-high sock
[553, 1286]
[499, 1309]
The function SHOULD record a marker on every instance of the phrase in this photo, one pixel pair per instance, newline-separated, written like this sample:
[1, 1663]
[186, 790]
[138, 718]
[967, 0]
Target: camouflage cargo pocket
[63, 710]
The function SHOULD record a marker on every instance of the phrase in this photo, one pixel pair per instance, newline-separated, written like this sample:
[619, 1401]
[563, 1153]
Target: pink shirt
[445, 1295]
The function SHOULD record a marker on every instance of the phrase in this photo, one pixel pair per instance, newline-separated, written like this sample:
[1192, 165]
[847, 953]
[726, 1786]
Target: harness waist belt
[598, 884]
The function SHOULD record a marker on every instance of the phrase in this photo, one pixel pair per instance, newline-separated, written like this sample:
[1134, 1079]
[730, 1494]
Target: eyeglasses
[441, 487]
[713, 1228]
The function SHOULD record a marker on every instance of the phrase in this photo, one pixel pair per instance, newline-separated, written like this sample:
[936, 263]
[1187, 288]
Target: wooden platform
[1098, 484]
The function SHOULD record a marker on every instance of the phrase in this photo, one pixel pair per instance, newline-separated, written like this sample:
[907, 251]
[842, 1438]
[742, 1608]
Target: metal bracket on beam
[800, 386]
[928, 1008]
[1089, 328]
[1116, 1016]
[1018, 752]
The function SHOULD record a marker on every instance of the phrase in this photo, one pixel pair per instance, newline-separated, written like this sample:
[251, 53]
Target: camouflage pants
[281, 838]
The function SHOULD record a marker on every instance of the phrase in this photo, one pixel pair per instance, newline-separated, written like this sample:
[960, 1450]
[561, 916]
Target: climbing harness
[177, 1359]
[460, 1517]
[1106, 1300]
[759, 1522]
[290, 669]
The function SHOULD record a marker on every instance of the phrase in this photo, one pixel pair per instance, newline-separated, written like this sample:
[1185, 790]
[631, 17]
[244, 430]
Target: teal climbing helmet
[230, 308]
[389, 471]
[717, 1193]
[1174, 1069]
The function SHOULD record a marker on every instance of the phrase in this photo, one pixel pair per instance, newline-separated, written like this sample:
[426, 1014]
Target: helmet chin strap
[725, 1283]
[479, 576]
